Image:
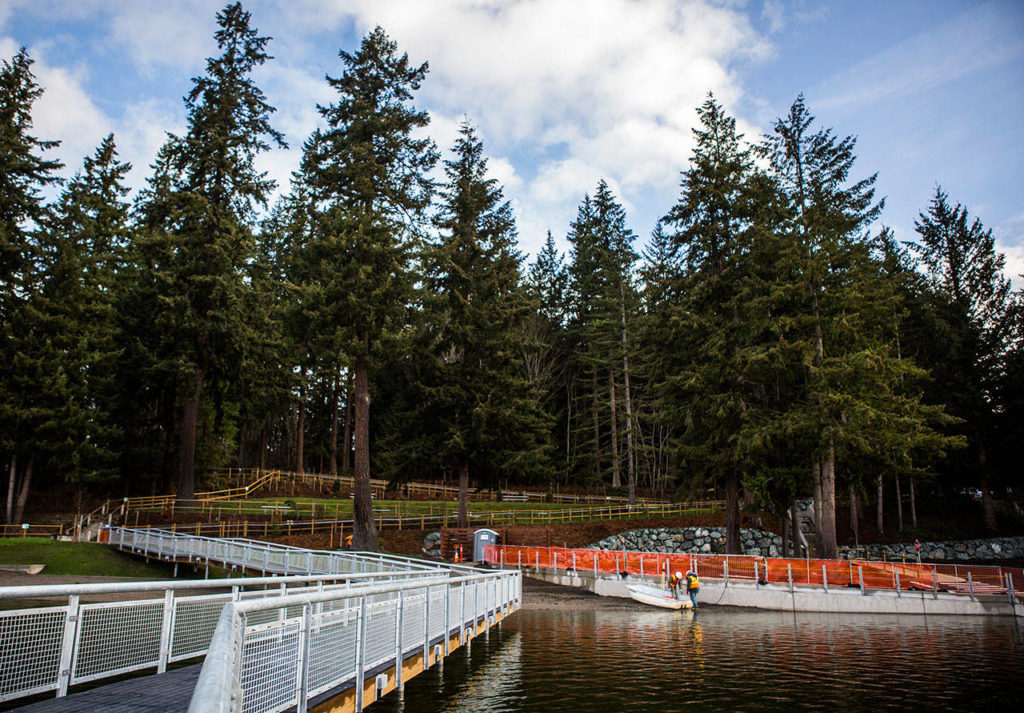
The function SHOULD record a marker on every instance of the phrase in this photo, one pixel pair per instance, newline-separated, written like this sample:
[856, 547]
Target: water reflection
[626, 659]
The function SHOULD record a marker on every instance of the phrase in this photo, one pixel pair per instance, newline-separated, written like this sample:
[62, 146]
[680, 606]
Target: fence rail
[971, 580]
[340, 526]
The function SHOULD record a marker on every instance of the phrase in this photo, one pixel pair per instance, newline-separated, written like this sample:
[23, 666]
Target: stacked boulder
[432, 545]
[691, 540]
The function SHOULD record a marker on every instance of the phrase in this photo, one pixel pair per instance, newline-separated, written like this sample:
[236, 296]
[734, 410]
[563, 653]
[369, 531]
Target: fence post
[860, 574]
[970, 585]
[935, 585]
[757, 580]
[302, 685]
[426, 628]
[898, 594]
[595, 566]
[67, 646]
[725, 569]
[824, 578]
[789, 574]
[1010, 592]
[165, 631]
[360, 653]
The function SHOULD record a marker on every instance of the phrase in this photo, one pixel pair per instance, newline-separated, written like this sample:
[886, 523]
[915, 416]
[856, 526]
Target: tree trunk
[332, 463]
[616, 475]
[880, 504]
[364, 536]
[913, 505]
[12, 477]
[187, 456]
[733, 544]
[263, 444]
[597, 431]
[26, 480]
[630, 460]
[464, 495]
[829, 546]
[300, 436]
[988, 506]
[346, 438]
[854, 520]
[794, 514]
[899, 506]
[816, 497]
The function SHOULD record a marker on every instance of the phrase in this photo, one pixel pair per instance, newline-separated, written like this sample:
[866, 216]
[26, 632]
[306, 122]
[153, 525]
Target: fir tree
[371, 174]
[24, 173]
[197, 215]
[489, 420]
[975, 314]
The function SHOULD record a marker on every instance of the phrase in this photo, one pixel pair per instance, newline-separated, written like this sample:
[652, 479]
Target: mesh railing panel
[30, 650]
[332, 649]
[380, 633]
[195, 618]
[104, 648]
[270, 657]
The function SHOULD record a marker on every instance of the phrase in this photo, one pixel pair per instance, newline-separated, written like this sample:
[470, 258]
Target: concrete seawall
[799, 598]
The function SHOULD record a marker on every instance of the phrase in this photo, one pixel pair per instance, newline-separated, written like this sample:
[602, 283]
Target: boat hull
[656, 597]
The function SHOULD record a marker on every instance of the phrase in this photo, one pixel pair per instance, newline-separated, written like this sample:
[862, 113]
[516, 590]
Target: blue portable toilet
[481, 539]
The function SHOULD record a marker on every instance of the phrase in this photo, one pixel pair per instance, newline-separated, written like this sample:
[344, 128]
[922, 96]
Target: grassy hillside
[77, 558]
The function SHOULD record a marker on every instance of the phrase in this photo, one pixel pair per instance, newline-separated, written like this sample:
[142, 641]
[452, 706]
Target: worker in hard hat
[675, 584]
[692, 586]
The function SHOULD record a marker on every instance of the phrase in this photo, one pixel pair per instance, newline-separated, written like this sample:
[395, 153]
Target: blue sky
[566, 92]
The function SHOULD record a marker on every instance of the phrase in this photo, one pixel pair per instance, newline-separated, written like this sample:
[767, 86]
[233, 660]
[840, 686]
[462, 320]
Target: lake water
[596, 654]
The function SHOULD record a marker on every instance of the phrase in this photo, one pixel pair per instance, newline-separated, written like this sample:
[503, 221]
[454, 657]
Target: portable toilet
[481, 539]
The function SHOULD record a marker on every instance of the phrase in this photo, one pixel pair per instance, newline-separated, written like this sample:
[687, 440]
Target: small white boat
[656, 596]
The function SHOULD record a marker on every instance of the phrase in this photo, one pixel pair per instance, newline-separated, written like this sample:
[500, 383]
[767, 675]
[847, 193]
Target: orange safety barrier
[778, 570]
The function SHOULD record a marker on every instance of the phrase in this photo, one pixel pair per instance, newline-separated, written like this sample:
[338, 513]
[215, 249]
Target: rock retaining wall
[996, 548]
[691, 539]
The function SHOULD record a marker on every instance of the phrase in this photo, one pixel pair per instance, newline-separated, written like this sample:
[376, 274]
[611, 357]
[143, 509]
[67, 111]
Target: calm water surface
[612, 655]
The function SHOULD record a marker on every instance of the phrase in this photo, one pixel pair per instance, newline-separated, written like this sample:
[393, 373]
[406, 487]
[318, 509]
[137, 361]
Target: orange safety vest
[692, 582]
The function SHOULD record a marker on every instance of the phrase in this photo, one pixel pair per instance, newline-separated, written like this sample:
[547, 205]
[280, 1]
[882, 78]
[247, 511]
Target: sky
[567, 92]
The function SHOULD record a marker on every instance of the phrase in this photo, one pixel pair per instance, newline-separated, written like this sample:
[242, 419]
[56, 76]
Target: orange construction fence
[808, 572]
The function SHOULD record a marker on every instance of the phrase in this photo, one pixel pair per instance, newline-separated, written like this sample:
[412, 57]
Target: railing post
[426, 628]
[447, 622]
[399, 653]
[860, 575]
[898, 594]
[970, 585]
[302, 665]
[757, 581]
[361, 654]
[824, 578]
[789, 575]
[165, 631]
[935, 585]
[67, 646]
[462, 616]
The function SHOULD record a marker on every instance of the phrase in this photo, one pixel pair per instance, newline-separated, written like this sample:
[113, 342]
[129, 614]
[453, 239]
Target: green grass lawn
[77, 558]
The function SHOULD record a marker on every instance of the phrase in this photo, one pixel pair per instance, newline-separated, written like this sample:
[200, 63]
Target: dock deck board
[168, 692]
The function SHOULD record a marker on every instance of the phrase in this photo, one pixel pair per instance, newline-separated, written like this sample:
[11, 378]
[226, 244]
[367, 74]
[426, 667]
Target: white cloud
[573, 91]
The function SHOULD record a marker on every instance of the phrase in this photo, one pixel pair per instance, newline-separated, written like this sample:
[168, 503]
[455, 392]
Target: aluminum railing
[53, 647]
[254, 555]
[334, 641]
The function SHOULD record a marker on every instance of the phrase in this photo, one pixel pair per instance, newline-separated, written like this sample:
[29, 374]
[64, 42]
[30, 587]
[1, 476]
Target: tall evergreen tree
[76, 328]
[704, 388]
[24, 173]
[197, 214]
[489, 420]
[976, 316]
[372, 175]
